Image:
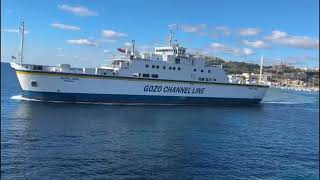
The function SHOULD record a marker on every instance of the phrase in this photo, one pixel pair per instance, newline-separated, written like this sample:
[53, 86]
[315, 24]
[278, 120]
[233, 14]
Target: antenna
[21, 29]
[132, 51]
[171, 34]
[261, 66]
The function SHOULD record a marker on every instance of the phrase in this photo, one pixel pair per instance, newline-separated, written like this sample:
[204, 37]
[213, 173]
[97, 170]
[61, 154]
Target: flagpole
[261, 66]
[22, 42]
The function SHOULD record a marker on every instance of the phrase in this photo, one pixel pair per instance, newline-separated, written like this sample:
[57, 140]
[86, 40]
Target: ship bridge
[170, 50]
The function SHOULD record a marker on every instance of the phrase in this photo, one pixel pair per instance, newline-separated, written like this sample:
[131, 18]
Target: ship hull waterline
[70, 87]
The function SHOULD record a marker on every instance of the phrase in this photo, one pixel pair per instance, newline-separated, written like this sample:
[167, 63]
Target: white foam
[21, 98]
[282, 102]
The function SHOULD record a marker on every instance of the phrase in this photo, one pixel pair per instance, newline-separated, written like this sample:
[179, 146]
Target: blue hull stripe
[144, 99]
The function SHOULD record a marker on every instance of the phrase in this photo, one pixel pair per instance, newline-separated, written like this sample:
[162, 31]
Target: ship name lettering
[173, 89]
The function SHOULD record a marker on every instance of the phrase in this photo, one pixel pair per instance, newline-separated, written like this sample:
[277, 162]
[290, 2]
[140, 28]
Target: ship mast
[21, 29]
[261, 66]
[171, 34]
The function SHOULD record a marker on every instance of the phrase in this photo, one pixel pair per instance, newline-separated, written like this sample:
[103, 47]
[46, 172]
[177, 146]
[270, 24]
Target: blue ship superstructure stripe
[143, 99]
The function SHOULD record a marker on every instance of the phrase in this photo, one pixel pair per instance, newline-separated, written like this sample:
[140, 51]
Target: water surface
[277, 140]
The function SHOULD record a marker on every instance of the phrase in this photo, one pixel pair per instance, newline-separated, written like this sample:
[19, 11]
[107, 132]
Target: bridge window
[201, 70]
[170, 68]
[174, 68]
[153, 66]
[154, 75]
[157, 67]
[195, 70]
[163, 67]
[147, 65]
[179, 68]
[145, 75]
[209, 71]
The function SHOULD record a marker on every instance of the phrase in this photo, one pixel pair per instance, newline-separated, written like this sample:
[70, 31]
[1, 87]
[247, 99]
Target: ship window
[177, 61]
[153, 66]
[214, 79]
[201, 79]
[139, 74]
[104, 73]
[163, 67]
[209, 71]
[174, 68]
[147, 65]
[145, 75]
[157, 67]
[34, 83]
[170, 68]
[194, 70]
[154, 75]
[179, 68]
[201, 70]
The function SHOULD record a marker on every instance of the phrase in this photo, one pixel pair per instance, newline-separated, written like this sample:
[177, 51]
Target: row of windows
[173, 68]
[148, 75]
[195, 70]
[163, 67]
[207, 79]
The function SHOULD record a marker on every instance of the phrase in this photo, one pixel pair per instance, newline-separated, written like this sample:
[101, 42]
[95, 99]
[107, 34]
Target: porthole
[34, 83]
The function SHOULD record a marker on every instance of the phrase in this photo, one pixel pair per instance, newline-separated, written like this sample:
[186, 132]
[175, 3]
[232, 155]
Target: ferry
[169, 75]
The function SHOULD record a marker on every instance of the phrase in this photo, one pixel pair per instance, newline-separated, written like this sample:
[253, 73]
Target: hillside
[234, 67]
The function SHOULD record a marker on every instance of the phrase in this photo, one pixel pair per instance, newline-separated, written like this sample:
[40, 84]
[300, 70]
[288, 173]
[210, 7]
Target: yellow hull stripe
[128, 78]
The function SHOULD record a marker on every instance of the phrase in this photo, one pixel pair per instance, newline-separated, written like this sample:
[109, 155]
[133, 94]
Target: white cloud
[127, 44]
[85, 42]
[224, 30]
[112, 34]
[193, 28]
[217, 47]
[107, 40]
[249, 31]
[14, 31]
[256, 44]
[145, 48]
[77, 10]
[283, 38]
[65, 26]
[60, 55]
[106, 50]
[301, 59]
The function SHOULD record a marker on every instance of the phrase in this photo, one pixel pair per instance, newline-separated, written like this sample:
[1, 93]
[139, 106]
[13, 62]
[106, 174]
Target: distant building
[281, 68]
[236, 78]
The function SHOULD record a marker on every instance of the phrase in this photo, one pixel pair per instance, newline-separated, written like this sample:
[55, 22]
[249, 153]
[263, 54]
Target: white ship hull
[59, 86]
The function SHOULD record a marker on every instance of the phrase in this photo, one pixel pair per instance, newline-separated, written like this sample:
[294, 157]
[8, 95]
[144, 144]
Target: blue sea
[278, 139]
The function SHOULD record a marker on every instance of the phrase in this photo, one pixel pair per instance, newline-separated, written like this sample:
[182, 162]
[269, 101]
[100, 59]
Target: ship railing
[120, 58]
[214, 65]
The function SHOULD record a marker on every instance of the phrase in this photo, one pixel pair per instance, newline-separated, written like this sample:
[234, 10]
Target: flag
[121, 50]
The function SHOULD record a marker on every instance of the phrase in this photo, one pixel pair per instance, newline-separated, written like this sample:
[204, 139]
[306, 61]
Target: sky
[87, 33]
